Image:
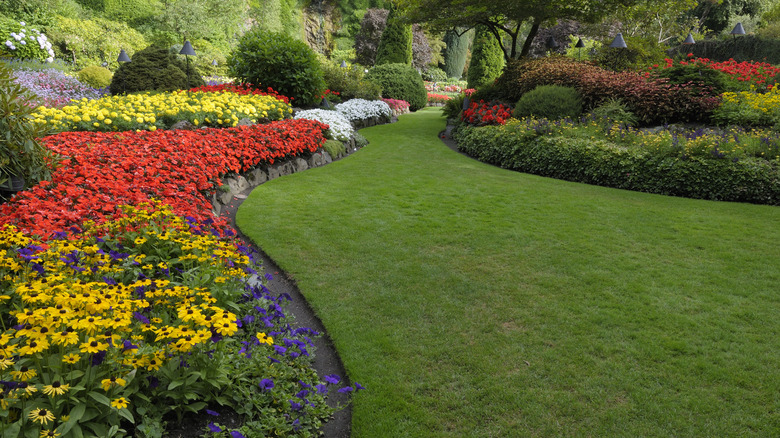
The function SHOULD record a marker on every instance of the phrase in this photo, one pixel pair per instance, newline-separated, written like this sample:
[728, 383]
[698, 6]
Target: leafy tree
[487, 59]
[421, 49]
[505, 18]
[660, 20]
[90, 42]
[457, 42]
[367, 39]
[209, 19]
[715, 14]
[395, 45]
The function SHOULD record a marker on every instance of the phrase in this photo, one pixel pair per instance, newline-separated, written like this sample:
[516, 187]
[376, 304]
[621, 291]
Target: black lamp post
[551, 44]
[123, 56]
[618, 42]
[689, 40]
[343, 64]
[738, 30]
[187, 50]
[580, 44]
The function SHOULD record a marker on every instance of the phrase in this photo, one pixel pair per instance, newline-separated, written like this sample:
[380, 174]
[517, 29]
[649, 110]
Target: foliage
[640, 52]
[133, 12]
[106, 169]
[349, 82]
[690, 164]
[367, 39]
[550, 101]
[340, 127]
[453, 107]
[279, 61]
[277, 16]
[95, 76]
[395, 44]
[662, 21]
[743, 48]
[53, 88]
[433, 74]
[161, 110]
[749, 108]
[457, 41]
[613, 111]
[421, 48]
[402, 82]
[334, 148]
[154, 68]
[483, 113]
[92, 42]
[716, 15]
[21, 154]
[487, 59]
[17, 40]
[215, 20]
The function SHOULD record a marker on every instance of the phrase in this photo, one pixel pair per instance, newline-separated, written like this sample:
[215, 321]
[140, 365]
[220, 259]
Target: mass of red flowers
[241, 89]
[437, 98]
[758, 72]
[102, 170]
[482, 113]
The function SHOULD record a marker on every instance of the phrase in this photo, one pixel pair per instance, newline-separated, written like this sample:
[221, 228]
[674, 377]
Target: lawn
[475, 301]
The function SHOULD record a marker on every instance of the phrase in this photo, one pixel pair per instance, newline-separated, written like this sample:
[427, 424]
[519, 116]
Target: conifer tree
[455, 53]
[487, 59]
[395, 46]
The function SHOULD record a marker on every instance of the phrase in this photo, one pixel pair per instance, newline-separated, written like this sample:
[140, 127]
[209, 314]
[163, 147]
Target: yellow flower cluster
[155, 111]
[750, 107]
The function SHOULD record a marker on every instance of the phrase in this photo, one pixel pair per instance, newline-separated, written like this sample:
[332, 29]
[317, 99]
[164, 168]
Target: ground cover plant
[495, 303]
[339, 127]
[219, 108]
[358, 110]
[53, 88]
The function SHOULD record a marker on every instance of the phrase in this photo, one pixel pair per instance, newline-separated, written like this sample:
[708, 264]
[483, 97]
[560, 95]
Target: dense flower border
[340, 127]
[486, 113]
[361, 109]
[241, 89]
[104, 170]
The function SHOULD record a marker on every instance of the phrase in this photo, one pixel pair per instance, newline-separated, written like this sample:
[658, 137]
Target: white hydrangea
[340, 128]
[361, 109]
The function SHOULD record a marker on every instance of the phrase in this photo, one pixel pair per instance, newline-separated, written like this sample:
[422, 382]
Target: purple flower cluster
[53, 88]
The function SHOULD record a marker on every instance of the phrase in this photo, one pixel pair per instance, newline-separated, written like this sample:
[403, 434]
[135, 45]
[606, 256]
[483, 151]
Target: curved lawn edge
[550, 275]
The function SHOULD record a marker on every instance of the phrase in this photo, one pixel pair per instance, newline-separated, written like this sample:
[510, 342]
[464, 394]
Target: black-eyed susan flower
[42, 416]
[56, 388]
[46, 433]
[119, 403]
[93, 346]
[5, 362]
[24, 373]
[107, 384]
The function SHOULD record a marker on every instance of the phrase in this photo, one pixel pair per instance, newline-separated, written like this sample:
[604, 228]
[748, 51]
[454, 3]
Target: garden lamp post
[123, 56]
[343, 64]
[187, 50]
[580, 44]
[689, 40]
[738, 30]
[551, 44]
[618, 42]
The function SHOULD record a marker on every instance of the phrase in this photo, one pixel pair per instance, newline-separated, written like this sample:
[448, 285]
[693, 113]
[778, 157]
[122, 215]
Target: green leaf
[127, 415]
[175, 384]
[196, 407]
[100, 398]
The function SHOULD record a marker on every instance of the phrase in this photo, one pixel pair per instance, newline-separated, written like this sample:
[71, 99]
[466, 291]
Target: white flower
[12, 47]
[16, 36]
[8, 43]
[22, 23]
[360, 109]
[340, 128]
[50, 52]
[24, 43]
[50, 59]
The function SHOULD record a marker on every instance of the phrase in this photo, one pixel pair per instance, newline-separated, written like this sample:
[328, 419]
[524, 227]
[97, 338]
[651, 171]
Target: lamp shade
[214, 63]
[551, 43]
[343, 64]
[187, 49]
[738, 30]
[580, 44]
[689, 39]
[618, 42]
[123, 56]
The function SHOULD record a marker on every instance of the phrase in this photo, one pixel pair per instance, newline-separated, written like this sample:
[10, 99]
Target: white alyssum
[340, 128]
[361, 109]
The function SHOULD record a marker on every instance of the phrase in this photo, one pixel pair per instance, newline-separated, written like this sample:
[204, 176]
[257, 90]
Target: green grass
[475, 301]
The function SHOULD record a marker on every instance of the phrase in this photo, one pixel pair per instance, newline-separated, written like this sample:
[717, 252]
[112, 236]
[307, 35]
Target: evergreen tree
[395, 46]
[487, 59]
[455, 53]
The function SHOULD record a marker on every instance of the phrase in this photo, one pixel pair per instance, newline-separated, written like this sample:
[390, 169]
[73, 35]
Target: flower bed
[104, 170]
[437, 99]
[147, 316]
[154, 111]
[760, 74]
[485, 113]
[340, 128]
[241, 89]
[356, 110]
[728, 165]
[53, 88]
[397, 106]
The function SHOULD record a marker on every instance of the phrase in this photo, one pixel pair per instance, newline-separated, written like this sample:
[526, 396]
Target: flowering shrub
[748, 108]
[240, 89]
[123, 322]
[53, 88]
[469, 91]
[437, 98]
[760, 74]
[340, 128]
[361, 109]
[25, 43]
[398, 106]
[447, 87]
[104, 170]
[482, 113]
[150, 112]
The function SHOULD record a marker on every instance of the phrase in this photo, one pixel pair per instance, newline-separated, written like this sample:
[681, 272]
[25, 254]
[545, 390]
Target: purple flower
[346, 389]
[333, 379]
[214, 428]
[141, 318]
[358, 386]
[236, 434]
[266, 384]
[295, 406]
[279, 349]
[273, 360]
[302, 393]
[213, 413]
[322, 388]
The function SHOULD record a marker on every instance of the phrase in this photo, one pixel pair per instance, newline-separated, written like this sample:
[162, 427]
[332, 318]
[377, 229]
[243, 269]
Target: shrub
[551, 102]
[360, 109]
[455, 54]
[96, 76]
[640, 52]
[697, 73]
[486, 113]
[614, 111]
[20, 153]
[453, 107]
[400, 81]
[277, 60]
[90, 42]
[340, 128]
[349, 82]
[367, 39]
[540, 147]
[395, 46]
[154, 69]
[487, 59]
[17, 40]
[748, 108]
[522, 76]
[334, 148]
[433, 74]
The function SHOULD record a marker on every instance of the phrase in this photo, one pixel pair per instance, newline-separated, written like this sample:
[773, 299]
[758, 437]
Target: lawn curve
[475, 301]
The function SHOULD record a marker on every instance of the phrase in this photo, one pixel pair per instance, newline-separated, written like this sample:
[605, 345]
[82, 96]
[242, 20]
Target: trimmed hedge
[603, 163]
[402, 82]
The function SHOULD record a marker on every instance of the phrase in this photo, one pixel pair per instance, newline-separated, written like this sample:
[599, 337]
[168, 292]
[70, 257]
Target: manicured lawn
[475, 301]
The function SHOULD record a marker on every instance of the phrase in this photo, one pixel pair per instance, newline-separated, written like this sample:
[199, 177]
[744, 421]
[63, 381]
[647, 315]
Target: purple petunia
[295, 406]
[236, 434]
[333, 379]
[266, 384]
[346, 389]
[358, 386]
[213, 413]
[214, 428]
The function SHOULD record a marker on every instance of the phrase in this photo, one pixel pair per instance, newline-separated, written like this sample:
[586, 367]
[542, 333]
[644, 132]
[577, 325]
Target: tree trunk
[530, 39]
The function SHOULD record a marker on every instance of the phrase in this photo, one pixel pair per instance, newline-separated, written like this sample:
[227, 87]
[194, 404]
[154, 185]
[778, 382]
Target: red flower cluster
[437, 98]
[241, 89]
[103, 170]
[481, 114]
[758, 72]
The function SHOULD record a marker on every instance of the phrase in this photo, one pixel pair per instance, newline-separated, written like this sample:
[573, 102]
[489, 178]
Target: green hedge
[742, 48]
[603, 163]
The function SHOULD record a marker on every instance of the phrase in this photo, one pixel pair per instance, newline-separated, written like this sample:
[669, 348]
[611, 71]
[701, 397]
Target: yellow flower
[107, 384]
[56, 388]
[265, 339]
[42, 416]
[93, 346]
[45, 433]
[119, 403]
[24, 374]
